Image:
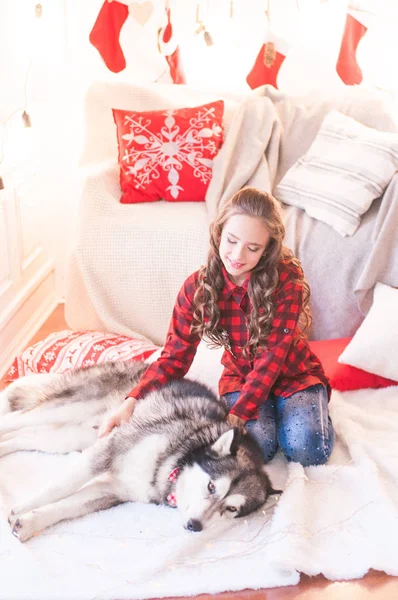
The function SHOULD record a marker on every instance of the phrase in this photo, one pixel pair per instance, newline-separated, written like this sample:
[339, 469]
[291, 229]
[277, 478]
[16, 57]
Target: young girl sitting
[251, 298]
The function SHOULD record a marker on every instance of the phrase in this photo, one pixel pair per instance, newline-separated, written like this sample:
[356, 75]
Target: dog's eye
[231, 508]
[211, 487]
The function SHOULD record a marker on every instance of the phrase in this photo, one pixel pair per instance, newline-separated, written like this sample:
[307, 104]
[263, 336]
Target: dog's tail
[28, 392]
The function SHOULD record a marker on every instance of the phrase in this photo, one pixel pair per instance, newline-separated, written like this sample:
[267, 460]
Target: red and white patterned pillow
[66, 350]
[168, 154]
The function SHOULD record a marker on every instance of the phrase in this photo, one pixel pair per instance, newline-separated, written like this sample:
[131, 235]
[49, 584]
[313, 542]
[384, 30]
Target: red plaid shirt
[286, 366]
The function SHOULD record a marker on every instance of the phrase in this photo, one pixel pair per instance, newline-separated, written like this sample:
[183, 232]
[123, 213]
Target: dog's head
[222, 481]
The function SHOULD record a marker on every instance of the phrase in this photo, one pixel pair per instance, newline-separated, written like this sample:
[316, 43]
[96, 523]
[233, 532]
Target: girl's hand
[122, 415]
[237, 422]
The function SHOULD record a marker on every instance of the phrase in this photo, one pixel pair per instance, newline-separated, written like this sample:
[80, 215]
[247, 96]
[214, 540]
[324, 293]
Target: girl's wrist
[129, 401]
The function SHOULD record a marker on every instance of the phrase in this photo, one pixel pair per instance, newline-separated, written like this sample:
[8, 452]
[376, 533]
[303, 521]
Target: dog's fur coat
[179, 430]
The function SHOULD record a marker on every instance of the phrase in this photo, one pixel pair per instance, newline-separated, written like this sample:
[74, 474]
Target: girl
[251, 297]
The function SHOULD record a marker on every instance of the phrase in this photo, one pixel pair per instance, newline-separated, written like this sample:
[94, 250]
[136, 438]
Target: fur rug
[340, 520]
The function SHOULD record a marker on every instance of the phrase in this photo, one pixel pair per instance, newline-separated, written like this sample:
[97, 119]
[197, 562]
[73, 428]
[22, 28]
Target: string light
[27, 123]
[200, 25]
[26, 119]
[25, 116]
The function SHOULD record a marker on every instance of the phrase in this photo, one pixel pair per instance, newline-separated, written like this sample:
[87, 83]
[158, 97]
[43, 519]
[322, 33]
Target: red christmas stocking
[105, 34]
[268, 62]
[347, 66]
[171, 51]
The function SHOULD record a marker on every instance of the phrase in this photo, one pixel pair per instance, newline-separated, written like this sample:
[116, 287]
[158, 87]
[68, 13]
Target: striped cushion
[347, 167]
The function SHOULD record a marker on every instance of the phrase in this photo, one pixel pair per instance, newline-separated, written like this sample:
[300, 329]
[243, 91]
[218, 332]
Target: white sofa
[128, 261]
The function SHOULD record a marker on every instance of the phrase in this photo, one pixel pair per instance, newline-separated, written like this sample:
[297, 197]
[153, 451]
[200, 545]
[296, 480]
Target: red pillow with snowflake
[168, 154]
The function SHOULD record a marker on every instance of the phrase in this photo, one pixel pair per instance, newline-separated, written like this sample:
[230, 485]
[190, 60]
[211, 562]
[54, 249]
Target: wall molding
[29, 310]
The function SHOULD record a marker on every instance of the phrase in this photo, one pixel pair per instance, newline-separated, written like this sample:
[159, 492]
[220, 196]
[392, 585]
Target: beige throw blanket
[249, 155]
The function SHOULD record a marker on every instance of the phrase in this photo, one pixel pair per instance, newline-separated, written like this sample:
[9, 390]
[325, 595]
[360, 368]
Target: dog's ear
[236, 441]
[227, 443]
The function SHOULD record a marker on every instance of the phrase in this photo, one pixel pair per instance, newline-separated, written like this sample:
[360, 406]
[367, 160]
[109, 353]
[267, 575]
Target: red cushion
[344, 377]
[65, 350]
[168, 154]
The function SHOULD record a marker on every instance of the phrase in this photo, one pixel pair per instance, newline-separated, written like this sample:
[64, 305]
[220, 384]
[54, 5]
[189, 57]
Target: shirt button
[286, 330]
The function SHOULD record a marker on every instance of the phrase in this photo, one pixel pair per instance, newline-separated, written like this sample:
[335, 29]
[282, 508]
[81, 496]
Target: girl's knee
[266, 438]
[269, 450]
[268, 447]
[305, 430]
[308, 453]
[307, 458]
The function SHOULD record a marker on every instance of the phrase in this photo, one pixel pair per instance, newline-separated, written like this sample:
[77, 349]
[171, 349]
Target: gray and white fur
[181, 426]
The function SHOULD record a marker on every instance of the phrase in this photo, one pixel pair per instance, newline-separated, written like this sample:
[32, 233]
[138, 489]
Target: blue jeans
[300, 425]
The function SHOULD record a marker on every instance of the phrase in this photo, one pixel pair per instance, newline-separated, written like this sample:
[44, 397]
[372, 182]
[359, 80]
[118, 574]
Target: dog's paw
[23, 527]
[14, 512]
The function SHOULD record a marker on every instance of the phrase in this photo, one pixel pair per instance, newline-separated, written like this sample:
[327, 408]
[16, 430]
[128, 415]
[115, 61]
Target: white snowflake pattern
[170, 149]
[98, 347]
[88, 363]
[49, 355]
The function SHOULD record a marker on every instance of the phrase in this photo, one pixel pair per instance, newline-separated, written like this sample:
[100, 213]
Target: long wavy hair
[264, 277]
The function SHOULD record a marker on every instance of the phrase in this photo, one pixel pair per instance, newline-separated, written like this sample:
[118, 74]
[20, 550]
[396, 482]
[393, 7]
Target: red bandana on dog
[171, 498]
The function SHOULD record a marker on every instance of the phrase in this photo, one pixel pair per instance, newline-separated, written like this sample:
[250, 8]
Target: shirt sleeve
[180, 347]
[268, 363]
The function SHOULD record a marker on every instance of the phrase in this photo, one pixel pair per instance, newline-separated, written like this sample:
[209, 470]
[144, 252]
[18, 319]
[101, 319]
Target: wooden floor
[376, 585]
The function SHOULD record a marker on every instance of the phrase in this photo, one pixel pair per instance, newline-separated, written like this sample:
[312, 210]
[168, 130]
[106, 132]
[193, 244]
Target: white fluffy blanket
[340, 520]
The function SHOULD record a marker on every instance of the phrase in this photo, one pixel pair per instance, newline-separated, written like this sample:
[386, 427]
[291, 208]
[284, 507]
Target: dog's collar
[171, 498]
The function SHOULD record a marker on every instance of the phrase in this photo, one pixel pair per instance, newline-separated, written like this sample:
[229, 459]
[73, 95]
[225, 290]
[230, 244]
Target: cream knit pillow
[374, 347]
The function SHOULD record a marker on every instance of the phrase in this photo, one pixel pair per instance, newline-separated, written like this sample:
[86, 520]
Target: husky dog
[176, 450]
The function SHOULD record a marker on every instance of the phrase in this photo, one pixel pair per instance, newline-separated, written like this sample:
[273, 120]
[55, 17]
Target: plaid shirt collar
[230, 288]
